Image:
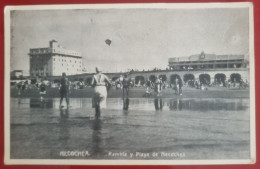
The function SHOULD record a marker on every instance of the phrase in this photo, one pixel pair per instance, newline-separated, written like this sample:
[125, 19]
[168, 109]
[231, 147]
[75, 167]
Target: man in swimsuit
[126, 84]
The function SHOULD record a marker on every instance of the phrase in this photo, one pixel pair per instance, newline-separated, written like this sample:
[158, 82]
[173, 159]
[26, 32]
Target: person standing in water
[99, 82]
[126, 85]
[158, 86]
[64, 89]
[19, 87]
[42, 88]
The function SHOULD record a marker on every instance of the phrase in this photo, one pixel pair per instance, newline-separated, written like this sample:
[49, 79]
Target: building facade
[208, 61]
[203, 68]
[16, 73]
[54, 60]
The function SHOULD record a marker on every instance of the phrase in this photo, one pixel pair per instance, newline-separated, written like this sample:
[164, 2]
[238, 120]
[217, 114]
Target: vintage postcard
[130, 84]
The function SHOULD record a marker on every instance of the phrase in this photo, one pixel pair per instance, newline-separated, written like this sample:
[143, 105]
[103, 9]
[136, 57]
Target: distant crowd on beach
[150, 87]
[101, 84]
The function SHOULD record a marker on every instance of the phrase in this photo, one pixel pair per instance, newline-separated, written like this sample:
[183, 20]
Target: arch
[204, 79]
[188, 77]
[235, 77]
[220, 78]
[115, 78]
[173, 77]
[164, 77]
[152, 78]
[139, 80]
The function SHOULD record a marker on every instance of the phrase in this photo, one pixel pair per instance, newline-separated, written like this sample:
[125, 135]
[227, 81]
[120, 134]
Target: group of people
[158, 85]
[101, 84]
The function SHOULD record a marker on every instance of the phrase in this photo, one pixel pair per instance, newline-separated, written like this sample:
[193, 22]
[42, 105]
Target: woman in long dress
[99, 82]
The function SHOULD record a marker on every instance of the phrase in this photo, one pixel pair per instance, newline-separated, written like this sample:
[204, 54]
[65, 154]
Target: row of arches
[203, 78]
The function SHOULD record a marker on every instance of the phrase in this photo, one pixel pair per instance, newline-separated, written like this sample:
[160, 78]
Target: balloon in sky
[108, 42]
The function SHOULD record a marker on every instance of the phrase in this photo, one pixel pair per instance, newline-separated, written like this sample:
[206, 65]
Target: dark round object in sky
[108, 42]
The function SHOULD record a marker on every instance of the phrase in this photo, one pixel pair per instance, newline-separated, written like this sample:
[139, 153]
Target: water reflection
[64, 114]
[158, 104]
[196, 104]
[61, 129]
[64, 128]
[126, 103]
[37, 103]
[206, 105]
[175, 104]
[96, 147]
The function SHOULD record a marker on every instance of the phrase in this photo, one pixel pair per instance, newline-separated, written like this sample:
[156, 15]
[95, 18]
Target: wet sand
[177, 129]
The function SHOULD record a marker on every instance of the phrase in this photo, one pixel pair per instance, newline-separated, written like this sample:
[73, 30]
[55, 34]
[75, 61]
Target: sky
[140, 38]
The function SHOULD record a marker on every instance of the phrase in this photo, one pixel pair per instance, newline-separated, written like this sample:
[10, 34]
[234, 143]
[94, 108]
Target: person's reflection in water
[158, 104]
[47, 103]
[175, 104]
[64, 128]
[96, 148]
[126, 103]
[180, 104]
[37, 103]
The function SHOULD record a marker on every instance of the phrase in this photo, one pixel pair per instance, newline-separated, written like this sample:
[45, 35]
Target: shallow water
[172, 128]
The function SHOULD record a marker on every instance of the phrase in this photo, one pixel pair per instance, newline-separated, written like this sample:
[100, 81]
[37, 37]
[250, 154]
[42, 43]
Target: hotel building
[54, 60]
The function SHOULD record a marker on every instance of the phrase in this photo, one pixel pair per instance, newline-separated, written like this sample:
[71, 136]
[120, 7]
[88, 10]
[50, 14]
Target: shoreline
[211, 92]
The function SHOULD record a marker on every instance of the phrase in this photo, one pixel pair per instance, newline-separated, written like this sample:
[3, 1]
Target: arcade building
[212, 68]
[204, 68]
[208, 61]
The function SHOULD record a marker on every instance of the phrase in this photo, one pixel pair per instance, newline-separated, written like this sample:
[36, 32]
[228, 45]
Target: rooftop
[206, 57]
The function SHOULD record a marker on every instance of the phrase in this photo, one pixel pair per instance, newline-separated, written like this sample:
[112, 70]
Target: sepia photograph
[130, 84]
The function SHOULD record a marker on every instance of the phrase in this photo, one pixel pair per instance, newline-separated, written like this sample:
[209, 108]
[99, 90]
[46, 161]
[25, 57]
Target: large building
[208, 61]
[54, 60]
